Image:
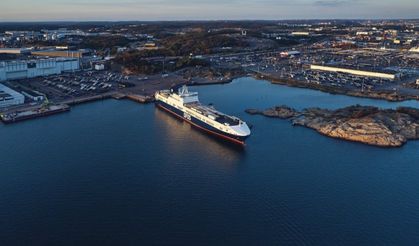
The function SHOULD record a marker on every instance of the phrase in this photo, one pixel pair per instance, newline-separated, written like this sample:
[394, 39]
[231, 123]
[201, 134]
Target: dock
[114, 95]
[140, 98]
[85, 99]
[33, 113]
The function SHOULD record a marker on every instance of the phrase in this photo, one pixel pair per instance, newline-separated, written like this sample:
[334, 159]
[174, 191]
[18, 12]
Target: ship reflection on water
[182, 137]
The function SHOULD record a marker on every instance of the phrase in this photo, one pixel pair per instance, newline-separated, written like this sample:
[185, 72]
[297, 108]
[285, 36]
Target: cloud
[334, 3]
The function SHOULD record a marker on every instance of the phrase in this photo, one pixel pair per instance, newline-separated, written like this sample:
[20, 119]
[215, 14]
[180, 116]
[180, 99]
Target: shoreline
[379, 95]
[389, 96]
[146, 97]
[363, 124]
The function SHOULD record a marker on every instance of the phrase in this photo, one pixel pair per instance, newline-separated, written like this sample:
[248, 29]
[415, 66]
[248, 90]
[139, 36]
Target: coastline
[390, 96]
[139, 95]
[381, 95]
[363, 124]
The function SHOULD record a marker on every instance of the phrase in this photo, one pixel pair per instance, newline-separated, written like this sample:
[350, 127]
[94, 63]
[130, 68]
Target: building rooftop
[6, 93]
[366, 68]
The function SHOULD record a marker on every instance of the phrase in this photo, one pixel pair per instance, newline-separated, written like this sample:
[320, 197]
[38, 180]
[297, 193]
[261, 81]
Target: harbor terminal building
[23, 69]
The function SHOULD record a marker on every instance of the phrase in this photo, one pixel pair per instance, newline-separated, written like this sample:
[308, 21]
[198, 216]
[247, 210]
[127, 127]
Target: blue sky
[22, 10]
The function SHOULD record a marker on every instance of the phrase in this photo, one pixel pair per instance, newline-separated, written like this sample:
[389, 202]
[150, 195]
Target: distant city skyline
[96, 10]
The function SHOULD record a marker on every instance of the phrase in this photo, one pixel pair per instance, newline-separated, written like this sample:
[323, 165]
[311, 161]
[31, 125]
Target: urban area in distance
[48, 68]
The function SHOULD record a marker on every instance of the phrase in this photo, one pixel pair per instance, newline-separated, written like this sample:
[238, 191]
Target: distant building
[34, 95]
[60, 33]
[14, 51]
[414, 49]
[300, 34]
[59, 53]
[150, 46]
[99, 67]
[354, 72]
[362, 33]
[22, 69]
[9, 97]
[289, 53]
[121, 49]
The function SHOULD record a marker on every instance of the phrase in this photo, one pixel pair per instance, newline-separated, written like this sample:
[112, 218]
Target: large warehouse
[22, 69]
[382, 75]
[9, 97]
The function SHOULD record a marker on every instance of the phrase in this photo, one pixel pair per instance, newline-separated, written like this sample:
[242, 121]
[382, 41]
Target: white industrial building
[22, 69]
[414, 49]
[15, 51]
[300, 34]
[289, 53]
[34, 95]
[99, 67]
[9, 97]
[354, 72]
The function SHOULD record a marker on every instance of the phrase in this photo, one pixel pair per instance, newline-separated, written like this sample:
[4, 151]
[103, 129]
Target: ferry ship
[186, 105]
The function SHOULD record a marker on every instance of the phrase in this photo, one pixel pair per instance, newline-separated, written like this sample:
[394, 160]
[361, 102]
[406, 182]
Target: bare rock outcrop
[364, 124]
[282, 112]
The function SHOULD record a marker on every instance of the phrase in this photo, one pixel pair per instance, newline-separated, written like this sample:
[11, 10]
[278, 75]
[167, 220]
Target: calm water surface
[120, 173]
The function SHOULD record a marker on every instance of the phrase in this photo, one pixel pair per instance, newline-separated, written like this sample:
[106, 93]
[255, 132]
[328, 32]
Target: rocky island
[364, 124]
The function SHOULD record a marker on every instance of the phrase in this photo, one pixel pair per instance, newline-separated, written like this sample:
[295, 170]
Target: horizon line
[208, 20]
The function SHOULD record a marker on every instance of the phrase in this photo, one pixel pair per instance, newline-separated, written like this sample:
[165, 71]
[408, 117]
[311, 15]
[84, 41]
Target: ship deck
[207, 111]
[213, 114]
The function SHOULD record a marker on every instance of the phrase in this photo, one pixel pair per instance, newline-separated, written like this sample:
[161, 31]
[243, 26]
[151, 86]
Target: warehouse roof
[7, 93]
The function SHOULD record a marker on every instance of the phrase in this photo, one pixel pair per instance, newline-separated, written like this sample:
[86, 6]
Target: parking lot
[72, 85]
